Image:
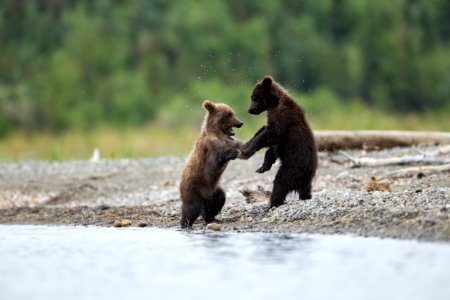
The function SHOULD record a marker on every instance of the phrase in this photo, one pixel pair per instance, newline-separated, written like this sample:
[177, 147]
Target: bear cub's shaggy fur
[214, 148]
[288, 137]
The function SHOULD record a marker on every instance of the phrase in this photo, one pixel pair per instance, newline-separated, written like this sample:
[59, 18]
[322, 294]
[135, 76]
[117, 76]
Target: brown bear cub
[288, 137]
[214, 148]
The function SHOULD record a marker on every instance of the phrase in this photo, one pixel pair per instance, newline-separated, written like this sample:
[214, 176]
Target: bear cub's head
[221, 118]
[265, 96]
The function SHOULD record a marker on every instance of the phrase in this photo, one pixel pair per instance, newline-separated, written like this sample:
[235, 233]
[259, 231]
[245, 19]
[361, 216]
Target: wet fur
[288, 137]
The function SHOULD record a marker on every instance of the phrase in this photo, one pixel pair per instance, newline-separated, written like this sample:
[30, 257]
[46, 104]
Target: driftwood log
[418, 171]
[425, 158]
[339, 140]
[375, 140]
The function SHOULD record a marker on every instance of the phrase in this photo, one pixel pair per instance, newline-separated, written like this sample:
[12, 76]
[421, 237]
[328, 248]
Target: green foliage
[78, 64]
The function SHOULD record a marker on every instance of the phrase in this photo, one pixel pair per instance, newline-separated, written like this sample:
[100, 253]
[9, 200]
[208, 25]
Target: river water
[49, 262]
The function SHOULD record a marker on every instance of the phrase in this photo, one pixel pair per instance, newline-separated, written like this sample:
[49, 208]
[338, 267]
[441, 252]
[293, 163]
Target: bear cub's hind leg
[189, 213]
[211, 207]
[278, 196]
[305, 193]
[280, 188]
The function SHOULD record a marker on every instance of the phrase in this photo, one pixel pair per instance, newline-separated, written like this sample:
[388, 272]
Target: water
[40, 262]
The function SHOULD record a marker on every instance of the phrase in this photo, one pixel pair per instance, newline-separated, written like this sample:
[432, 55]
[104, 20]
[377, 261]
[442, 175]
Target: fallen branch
[418, 171]
[374, 140]
[439, 151]
[404, 160]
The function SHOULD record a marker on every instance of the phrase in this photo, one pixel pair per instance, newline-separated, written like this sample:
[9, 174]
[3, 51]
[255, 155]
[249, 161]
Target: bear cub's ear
[209, 106]
[267, 82]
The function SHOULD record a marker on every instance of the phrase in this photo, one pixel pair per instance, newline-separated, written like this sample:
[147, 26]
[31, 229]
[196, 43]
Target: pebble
[213, 226]
[142, 224]
[126, 223]
[123, 223]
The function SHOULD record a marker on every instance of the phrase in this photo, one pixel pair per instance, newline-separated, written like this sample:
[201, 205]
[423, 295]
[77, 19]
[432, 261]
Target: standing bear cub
[214, 148]
[288, 137]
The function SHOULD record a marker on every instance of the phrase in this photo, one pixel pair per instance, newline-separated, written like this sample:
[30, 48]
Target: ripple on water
[40, 262]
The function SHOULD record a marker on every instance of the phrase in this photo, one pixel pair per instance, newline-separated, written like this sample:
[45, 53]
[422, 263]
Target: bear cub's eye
[229, 115]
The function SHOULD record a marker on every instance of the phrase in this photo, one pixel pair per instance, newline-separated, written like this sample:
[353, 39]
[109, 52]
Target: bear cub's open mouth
[229, 131]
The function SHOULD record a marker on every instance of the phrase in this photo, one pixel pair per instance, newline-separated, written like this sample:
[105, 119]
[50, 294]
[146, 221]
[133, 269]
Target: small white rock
[213, 226]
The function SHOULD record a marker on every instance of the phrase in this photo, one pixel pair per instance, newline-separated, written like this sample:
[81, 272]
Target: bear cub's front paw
[233, 153]
[246, 153]
[263, 168]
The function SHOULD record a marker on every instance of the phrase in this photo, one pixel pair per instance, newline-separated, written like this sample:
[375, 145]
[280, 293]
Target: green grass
[149, 140]
[361, 118]
[163, 138]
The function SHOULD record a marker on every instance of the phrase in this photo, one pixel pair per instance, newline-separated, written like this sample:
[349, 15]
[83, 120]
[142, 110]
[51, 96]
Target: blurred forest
[67, 64]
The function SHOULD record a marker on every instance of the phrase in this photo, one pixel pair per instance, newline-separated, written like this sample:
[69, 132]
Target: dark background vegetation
[68, 64]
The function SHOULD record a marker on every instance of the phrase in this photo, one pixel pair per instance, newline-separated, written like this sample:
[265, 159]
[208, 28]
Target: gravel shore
[145, 191]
